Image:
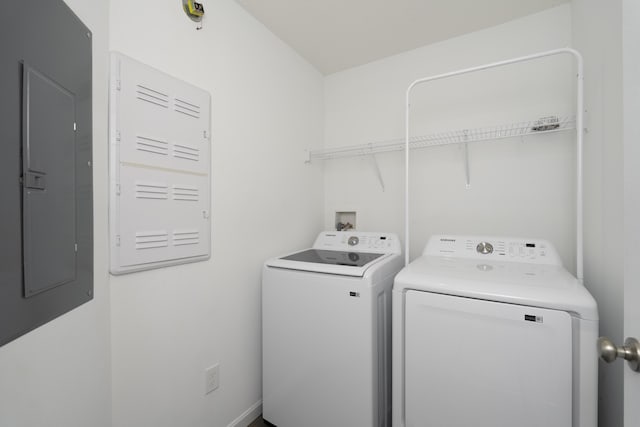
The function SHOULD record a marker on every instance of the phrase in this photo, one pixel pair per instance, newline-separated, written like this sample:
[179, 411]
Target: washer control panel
[535, 251]
[358, 241]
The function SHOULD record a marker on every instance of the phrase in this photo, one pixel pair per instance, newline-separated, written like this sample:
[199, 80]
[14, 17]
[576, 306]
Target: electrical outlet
[212, 378]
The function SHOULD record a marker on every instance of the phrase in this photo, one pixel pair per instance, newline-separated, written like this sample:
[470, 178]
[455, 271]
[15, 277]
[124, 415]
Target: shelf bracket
[465, 147]
[376, 166]
[466, 166]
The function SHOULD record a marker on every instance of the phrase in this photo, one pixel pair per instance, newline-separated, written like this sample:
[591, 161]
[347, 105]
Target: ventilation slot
[384, 362]
[187, 108]
[185, 152]
[152, 239]
[181, 238]
[152, 96]
[151, 191]
[151, 145]
[185, 193]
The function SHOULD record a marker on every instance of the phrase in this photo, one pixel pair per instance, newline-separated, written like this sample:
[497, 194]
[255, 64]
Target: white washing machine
[493, 332]
[326, 326]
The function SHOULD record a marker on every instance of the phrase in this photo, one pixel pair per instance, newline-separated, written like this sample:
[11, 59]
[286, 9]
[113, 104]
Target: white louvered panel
[180, 211]
[151, 239]
[151, 191]
[187, 108]
[160, 169]
[186, 152]
[175, 137]
[151, 145]
[185, 193]
[152, 96]
[186, 237]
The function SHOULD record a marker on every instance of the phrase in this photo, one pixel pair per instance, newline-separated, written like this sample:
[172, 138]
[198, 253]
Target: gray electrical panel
[46, 213]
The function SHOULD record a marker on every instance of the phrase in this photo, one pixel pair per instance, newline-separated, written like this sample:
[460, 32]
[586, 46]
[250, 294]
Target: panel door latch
[34, 180]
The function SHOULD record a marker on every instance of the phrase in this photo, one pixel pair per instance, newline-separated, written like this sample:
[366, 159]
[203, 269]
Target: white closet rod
[579, 133]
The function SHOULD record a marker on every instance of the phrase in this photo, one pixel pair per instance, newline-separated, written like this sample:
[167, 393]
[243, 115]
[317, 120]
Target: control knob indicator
[484, 248]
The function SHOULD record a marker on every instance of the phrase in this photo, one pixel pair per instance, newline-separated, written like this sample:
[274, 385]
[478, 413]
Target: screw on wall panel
[89, 163]
[89, 35]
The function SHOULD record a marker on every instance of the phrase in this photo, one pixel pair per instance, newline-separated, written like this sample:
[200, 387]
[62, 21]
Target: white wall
[597, 34]
[518, 187]
[631, 105]
[59, 374]
[171, 324]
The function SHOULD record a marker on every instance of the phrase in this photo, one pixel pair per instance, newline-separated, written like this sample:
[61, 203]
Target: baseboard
[247, 416]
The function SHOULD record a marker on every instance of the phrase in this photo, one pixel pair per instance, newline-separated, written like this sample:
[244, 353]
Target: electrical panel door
[49, 217]
[46, 214]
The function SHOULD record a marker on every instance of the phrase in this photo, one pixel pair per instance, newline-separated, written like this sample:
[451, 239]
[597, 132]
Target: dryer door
[473, 362]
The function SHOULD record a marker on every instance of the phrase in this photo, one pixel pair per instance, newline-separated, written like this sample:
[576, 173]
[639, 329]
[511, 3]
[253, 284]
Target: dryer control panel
[359, 241]
[534, 251]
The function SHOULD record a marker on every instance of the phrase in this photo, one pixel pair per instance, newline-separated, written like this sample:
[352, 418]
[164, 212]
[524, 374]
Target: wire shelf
[512, 130]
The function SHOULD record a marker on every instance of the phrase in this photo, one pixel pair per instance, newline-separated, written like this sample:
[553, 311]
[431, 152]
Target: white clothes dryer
[326, 326]
[493, 332]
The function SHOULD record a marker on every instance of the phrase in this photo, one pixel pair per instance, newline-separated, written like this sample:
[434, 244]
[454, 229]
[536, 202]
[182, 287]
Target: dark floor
[257, 422]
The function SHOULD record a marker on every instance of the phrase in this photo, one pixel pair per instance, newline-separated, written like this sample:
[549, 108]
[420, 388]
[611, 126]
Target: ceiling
[334, 35]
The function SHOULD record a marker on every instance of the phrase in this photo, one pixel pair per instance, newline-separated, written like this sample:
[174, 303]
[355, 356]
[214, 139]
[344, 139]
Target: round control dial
[353, 240]
[484, 248]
